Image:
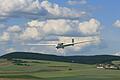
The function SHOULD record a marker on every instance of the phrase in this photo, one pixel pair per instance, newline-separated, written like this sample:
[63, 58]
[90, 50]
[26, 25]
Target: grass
[20, 76]
[51, 70]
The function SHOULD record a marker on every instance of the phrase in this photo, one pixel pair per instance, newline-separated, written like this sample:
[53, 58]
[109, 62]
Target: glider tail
[73, 42]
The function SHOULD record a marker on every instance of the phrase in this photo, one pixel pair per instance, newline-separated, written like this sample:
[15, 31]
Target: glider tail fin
[73, 42]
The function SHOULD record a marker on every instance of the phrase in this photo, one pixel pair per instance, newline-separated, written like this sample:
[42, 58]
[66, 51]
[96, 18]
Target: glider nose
[57, 47]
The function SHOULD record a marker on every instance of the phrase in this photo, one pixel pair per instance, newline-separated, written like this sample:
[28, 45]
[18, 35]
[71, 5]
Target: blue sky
[30, 21]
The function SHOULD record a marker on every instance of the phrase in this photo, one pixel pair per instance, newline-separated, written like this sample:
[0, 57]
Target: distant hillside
[77, 59]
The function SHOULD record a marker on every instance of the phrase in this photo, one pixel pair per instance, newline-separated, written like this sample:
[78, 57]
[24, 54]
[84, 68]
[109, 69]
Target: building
[107, 66]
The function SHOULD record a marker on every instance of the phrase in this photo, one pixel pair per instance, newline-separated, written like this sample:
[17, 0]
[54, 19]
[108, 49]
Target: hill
[76, 59]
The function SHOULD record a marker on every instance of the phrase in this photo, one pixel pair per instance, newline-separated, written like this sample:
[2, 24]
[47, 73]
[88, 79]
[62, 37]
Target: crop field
[22, 69]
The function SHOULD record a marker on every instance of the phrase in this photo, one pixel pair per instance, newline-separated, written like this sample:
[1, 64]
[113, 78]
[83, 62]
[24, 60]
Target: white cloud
[59, 26]
[56, 27]
[36, 30]
[16, 7]
[40, 29]
[36, 23]
[117, 23]
[117, 53]
[29, 33]
[55, 9]
[8, 7]
[75, 2]
[51, 8]
[90, 27]
[5, 37]
[9, 50]
[14, 29]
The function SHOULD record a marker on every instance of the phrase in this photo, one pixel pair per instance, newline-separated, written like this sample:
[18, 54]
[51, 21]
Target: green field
[51, 70]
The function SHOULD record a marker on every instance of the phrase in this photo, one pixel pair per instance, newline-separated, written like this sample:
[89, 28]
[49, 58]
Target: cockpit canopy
[60, 44]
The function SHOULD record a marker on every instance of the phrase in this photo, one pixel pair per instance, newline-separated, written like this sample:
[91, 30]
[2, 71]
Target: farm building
[107, 66]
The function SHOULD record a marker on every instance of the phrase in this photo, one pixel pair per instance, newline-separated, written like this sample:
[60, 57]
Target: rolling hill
[76, 59]
[36, 66]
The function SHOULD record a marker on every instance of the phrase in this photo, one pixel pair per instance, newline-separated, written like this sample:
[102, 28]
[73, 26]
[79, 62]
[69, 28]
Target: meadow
[25, 69]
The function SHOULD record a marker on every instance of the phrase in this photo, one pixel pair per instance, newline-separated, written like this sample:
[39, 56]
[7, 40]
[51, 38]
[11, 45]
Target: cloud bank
[17, 8]
[38, 29]
[61, 23]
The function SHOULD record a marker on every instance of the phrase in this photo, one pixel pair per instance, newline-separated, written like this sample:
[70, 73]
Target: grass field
[51, 70]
